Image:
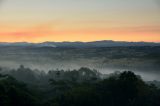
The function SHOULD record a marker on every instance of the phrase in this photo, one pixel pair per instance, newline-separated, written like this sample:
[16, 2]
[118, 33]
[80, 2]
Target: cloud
[39, 30]
[145, 29]
[49, 29]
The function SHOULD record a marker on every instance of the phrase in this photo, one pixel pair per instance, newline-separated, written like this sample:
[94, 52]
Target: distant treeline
[81, 87]
[36, 76]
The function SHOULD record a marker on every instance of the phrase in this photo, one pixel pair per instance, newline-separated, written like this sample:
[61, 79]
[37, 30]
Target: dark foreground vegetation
[83, 87]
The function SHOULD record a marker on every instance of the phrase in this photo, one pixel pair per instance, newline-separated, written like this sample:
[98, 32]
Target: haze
[79, 20]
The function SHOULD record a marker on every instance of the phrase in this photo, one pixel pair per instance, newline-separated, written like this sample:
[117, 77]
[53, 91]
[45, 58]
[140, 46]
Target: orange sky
[79, 20]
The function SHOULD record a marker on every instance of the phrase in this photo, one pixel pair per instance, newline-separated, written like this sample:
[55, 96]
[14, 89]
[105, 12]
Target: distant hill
[104, 43]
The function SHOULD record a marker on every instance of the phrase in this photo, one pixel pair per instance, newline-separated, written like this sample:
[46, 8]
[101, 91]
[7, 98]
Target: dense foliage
[13, 93]
[83, 87]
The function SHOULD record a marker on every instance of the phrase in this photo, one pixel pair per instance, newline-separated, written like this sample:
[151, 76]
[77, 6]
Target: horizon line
[83, 41]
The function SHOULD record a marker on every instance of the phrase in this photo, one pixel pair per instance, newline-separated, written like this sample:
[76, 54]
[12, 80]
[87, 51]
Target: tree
[14, 93]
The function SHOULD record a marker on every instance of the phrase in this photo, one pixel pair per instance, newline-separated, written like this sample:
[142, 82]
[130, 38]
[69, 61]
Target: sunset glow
[79, 20]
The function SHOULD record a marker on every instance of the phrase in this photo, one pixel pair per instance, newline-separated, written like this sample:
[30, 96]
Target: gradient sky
[79, 20]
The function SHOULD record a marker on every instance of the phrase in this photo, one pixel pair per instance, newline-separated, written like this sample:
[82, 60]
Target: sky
[79, 20]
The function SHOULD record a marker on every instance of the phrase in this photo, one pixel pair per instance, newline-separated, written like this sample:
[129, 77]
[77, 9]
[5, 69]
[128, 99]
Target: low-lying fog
[146, 74]
[144, 61]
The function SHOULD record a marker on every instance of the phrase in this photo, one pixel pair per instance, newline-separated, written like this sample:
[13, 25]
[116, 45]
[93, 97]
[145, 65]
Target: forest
[80, 87]
[79, 52]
